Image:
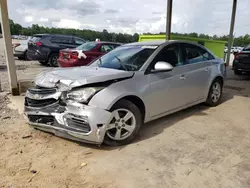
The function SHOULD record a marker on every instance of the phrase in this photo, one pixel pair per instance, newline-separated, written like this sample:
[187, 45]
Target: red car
[84, 54]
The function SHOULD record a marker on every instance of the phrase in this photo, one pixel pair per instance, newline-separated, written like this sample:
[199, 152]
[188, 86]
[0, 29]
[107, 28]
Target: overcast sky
[129, 16]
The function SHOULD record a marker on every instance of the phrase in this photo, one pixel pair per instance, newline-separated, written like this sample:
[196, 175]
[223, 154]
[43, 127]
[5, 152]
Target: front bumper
[18, 53]
[73, 121]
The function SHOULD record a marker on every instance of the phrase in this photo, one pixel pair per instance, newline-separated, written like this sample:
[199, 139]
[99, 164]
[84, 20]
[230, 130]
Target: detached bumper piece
[70, 119]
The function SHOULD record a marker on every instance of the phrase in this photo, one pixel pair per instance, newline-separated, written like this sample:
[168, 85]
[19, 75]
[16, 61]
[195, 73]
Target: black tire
[237, 72]
[211, 99]
[44, 63]
[125, 104]
[53, 60]
[26, 56]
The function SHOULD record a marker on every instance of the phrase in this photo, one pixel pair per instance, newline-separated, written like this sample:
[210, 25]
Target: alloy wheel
[122, 124]
[216, 92]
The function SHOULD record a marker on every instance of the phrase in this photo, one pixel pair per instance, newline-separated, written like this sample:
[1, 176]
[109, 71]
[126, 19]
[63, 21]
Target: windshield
[87, 46]
[129, 58]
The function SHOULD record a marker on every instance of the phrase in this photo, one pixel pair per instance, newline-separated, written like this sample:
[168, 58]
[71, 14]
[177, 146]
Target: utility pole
[10, 61]
[169, 19]
[230, 39]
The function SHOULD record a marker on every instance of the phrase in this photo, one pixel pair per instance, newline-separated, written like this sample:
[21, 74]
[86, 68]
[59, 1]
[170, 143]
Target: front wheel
[215, 93]
[125, 124]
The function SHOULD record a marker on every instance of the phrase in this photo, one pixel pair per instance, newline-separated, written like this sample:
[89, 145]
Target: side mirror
[162, 66]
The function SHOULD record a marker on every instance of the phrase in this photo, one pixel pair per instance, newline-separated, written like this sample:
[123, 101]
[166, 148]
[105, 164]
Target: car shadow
[156, 127]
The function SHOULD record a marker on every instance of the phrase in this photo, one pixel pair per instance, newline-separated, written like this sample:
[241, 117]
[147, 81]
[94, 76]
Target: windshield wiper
[121, 63]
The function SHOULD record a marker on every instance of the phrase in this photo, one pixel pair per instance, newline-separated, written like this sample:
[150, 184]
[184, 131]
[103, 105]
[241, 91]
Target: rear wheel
[26, 56]
[124, 125]
[237, 72]
[53, 60]
[215, 93]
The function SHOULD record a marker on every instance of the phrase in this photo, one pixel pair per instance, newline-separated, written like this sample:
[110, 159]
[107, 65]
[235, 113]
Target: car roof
[160, 42]
[47, 34]
[105, 42]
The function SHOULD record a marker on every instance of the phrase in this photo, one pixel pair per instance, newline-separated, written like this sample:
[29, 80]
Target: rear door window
[87, 46]
[79, 41]
[107, 47]
[61, 40]
[195, 54]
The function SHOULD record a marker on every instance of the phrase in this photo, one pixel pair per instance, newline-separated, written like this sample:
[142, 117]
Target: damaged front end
[50, 110]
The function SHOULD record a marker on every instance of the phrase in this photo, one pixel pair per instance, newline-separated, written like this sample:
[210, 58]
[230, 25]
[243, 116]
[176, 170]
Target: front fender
[107, 97]
[135, 86]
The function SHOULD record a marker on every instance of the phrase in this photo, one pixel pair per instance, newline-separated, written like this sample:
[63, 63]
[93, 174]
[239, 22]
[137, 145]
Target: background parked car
[45, 47]
[241, 61]
[20, 49]
[85, 53]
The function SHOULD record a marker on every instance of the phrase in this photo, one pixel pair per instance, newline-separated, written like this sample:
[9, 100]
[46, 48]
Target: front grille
[78, 125]
[41, 119]
[42, 90]
[39, 103]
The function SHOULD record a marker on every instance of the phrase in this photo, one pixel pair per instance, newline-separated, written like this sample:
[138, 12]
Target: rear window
[87, 46]
[79, 41]
[247, 48]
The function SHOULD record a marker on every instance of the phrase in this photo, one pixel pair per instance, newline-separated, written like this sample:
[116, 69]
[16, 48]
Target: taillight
[74, 55]
[38, 43]
[15, 45]
[60, 54]
[236, 56]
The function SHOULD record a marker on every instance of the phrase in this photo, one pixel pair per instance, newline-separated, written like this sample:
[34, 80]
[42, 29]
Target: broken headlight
[83, 95]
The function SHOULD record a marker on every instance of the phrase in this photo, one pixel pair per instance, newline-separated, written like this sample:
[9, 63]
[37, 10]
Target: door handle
[206, 69]
[183, 77]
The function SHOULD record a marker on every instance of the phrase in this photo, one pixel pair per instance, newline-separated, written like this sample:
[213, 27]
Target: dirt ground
[194, 148]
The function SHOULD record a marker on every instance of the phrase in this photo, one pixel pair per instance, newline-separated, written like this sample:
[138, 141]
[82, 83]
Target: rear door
[95, 52]
[198, 62]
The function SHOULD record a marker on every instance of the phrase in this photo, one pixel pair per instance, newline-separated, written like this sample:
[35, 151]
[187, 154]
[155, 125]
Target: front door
[167, 90]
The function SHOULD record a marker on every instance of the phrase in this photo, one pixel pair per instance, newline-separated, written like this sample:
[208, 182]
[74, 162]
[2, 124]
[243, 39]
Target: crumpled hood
[78, 76]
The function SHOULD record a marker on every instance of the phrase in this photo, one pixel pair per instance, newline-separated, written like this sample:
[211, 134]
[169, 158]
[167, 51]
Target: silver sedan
[109, 100]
